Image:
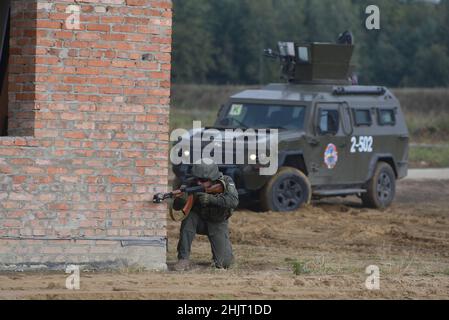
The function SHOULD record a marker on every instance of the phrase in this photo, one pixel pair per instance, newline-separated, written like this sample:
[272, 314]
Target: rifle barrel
[160, 197]
[195, 189]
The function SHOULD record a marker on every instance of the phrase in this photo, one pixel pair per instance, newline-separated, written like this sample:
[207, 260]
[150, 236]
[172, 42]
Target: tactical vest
[217, 214]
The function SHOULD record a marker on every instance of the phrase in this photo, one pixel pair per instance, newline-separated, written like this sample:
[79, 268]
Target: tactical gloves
[204, 199]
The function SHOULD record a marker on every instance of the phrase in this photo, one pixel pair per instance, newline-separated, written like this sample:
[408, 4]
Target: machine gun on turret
[315, 62]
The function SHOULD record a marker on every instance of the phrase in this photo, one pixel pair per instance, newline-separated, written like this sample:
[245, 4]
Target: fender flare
[285, 154]
[381, 157]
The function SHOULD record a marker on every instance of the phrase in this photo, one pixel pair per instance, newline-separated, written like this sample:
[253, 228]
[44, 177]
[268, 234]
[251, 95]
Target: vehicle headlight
[187, 153]
[253, 157]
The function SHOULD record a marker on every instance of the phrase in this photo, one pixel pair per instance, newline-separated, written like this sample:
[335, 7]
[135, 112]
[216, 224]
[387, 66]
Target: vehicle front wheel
[288, 190]
[381, 189]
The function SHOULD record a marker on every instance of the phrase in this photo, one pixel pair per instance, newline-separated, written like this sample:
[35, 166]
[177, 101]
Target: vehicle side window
[329, 122]
[362, 117]
[387, 117]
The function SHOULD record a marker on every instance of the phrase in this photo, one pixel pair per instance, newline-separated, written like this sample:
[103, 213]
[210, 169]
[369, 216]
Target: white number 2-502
[362, 144]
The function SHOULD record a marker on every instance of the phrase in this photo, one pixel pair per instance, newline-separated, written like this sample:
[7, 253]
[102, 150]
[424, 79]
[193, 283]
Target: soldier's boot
[182, 265]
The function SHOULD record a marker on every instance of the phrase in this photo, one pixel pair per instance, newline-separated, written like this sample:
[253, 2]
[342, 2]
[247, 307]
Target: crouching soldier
[209, 216]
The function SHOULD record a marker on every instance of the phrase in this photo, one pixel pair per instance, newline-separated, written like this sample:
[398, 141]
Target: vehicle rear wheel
[288, 190]
[381, 189]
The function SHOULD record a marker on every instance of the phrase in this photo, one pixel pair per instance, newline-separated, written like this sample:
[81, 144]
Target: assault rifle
[190, 191]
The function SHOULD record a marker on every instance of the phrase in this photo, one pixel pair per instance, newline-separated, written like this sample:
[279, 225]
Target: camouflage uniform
[209, 216]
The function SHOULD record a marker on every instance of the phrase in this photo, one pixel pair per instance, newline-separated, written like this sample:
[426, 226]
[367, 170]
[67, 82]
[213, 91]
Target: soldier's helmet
[206, 171]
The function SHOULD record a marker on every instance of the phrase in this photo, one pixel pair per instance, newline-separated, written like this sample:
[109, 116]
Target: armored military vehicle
[336, 138]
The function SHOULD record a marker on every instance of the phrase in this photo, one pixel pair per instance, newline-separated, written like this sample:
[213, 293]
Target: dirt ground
[320, 252]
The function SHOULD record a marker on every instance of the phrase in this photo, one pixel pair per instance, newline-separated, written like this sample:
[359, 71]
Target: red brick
[136, 2]
[119, 180]
[98, 27]
[75, 135]
[48, 24]
[96, 112]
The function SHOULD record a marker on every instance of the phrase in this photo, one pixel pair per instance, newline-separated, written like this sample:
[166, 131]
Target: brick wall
[88, 141]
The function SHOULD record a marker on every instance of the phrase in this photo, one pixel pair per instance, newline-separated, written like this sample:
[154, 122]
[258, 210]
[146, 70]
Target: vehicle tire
[381, 188]
[288, 190]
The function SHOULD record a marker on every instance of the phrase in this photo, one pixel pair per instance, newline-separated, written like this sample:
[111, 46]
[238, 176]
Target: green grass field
[429, 156]
[426, 112]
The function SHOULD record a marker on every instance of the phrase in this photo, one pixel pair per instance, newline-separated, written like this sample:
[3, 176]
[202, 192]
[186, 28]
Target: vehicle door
[326, 152]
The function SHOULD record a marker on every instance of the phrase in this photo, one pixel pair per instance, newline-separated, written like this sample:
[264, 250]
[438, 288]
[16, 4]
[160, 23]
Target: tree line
[221, 41]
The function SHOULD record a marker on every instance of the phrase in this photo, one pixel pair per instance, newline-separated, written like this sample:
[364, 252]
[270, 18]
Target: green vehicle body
[347, 131]
[305, 149]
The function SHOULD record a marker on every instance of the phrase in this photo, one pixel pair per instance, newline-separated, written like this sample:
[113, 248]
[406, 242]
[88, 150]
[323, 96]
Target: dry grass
[424, 101]
[203, 97]
[430, 157]
[207, 96]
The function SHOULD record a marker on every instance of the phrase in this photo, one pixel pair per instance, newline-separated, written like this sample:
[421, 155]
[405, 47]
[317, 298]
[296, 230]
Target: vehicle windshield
[263, 116]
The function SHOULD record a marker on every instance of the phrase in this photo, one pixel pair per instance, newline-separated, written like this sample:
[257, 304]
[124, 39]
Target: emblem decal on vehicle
[331, 156]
